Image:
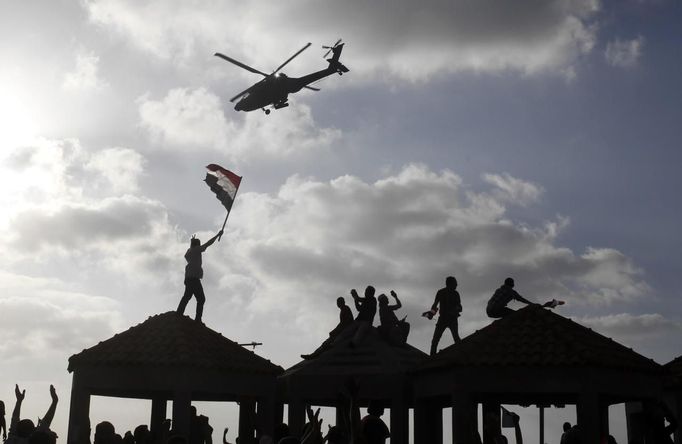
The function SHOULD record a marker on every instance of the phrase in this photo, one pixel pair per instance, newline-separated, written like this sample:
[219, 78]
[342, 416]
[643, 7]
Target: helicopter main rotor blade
[240, 64]
[310, 87]
[292, 57]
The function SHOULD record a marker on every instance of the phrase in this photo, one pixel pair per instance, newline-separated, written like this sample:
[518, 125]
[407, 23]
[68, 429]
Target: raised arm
[49, 415]
[16, 413]
[397, 304]
[225, 435]
[211, 240]
[356, 299]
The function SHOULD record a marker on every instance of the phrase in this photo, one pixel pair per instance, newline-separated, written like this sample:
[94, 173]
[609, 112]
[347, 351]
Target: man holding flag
[224, 183]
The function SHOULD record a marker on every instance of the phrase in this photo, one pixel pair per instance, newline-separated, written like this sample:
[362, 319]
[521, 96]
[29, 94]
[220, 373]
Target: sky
[532, 139]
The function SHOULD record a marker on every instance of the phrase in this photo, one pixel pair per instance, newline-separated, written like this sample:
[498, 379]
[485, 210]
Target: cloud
[85, 76]
[514, 190]
[195, 118]
[406, 39]
[119, 167]
[44, 317]
[408, 231]
[624, 53]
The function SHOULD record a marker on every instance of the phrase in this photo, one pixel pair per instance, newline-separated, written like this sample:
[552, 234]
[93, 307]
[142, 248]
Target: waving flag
[224, 183]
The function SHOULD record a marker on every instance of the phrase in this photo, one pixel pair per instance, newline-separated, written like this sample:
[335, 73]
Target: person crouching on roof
[193, 275]
[497, 305]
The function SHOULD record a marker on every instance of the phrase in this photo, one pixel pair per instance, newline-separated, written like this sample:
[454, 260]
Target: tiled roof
[538, 337]
[172, 340]
[373, 356]
[674, 369]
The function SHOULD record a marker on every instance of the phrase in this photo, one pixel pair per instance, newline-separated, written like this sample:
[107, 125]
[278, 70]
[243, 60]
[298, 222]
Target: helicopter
[274, 89]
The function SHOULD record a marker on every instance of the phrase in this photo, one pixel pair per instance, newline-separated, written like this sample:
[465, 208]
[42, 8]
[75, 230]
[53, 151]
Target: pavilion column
[247, 413]
[492, 423]
[158, 415]
[266, 416]
[428, 422]
[591, 418]
[79, 413]
[182, 402]
[296, 416]
[464, 419]
[634, 421]
[400, 417]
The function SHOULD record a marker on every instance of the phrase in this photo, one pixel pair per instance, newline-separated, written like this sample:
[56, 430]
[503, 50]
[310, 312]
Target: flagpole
[228, 211]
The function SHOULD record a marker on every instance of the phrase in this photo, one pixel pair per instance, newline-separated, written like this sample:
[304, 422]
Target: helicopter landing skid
[266, 111]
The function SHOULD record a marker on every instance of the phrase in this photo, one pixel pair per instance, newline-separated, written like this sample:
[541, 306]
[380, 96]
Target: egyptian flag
[224, 183]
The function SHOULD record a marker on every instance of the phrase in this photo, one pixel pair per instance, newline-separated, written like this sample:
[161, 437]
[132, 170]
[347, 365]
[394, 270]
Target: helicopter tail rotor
[330, 48]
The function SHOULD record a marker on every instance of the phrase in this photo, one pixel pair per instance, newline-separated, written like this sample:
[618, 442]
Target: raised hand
[18, 393]
[53, 394]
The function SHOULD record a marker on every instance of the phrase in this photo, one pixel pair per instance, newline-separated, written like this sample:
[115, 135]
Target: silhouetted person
[3, 424]
[142, 434]
[200, 431]
[345, 319]
[373, 427]
[193, 275]
[105, 433]
[655, 416]
[21, 430]
[128, 438]
[450, 307]
[497, 305]
[564, 436]
[281, 431]
[367, 309]
[393, 330]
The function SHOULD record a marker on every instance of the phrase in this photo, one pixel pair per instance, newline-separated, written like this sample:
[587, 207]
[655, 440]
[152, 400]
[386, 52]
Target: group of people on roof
[447, 305]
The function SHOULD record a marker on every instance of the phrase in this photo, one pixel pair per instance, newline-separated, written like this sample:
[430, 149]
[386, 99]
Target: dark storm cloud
[411, 39]
[73, 226]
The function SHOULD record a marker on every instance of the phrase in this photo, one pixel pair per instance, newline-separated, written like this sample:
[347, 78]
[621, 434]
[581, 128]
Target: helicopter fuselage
[275, 90]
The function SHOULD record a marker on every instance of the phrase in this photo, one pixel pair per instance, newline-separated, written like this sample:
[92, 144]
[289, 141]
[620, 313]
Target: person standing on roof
[193, 275]
[497, 305]
[450, 308]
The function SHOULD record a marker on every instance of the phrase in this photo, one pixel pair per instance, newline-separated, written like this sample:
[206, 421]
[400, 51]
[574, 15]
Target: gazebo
[380, 369]
[531, 357]
[171, 357]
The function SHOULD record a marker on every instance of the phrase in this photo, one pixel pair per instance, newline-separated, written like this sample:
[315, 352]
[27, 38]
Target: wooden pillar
[492, 422]
[158, 415]
[590, 415]
[400, 420]
[267, 416]
[296, 416]
[464, 419]
[247, 416]
[182, 401]
[79, 413]
[428, 422]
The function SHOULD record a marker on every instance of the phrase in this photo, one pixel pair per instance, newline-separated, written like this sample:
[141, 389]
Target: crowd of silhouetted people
[352, 429]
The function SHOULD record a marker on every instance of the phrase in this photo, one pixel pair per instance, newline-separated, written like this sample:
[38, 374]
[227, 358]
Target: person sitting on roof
[345, 319]
[497, 305]
[193, 275]
[367, 309]
[393, 330]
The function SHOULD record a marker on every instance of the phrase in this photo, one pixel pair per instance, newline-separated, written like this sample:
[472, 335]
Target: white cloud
[194, 118]
[514, 190]
[119, 167]
[624, 53]
[85, 76]
[408, 39]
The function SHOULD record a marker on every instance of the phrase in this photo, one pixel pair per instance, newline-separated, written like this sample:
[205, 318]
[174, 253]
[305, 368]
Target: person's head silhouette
[451, 282]
[340, 302]
[369, 291]
[383, 299]
[194, 242]
[509, 282]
